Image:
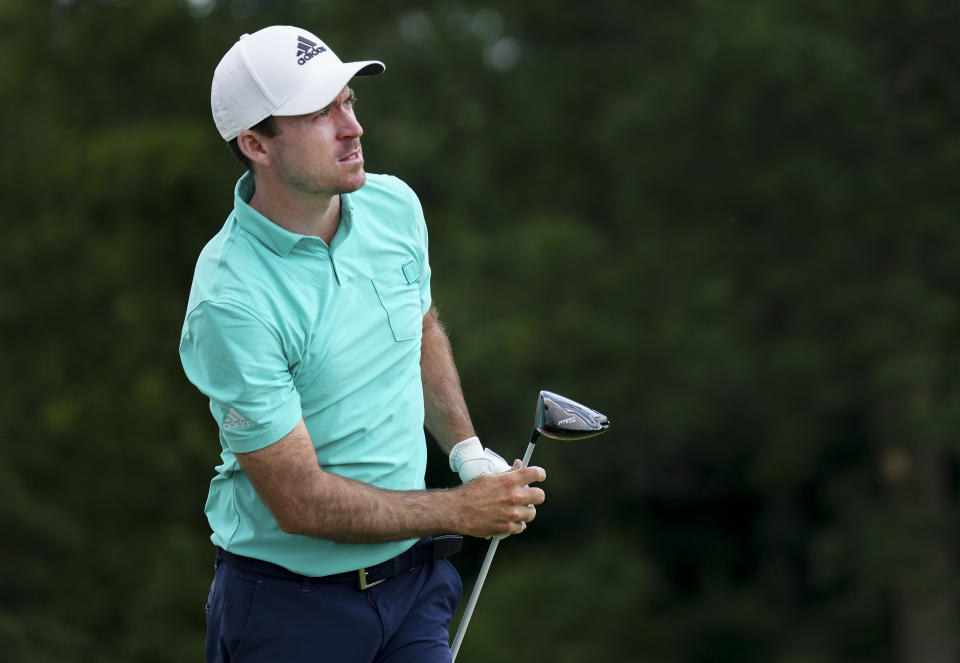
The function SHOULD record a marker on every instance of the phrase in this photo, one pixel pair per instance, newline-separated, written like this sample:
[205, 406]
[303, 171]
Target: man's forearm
[446, 414]
[354, 512]
[306, 500]
[350, 511]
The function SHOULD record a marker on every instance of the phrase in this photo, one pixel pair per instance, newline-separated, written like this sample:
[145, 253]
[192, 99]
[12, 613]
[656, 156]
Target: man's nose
[349, 126]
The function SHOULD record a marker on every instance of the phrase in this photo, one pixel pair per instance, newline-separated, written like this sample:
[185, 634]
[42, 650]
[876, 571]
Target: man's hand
[500, 504]
[470, 460]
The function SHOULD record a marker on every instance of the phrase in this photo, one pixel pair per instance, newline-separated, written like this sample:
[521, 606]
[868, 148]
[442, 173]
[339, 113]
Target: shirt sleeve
[238, 361]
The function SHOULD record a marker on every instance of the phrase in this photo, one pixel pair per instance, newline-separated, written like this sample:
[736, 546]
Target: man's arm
[446, 415]
[306, 500]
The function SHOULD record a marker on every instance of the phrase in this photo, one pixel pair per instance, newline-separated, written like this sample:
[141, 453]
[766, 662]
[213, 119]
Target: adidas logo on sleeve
[235, 420]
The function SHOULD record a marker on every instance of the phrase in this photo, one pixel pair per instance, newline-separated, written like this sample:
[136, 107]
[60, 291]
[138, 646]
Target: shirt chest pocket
[398, 289]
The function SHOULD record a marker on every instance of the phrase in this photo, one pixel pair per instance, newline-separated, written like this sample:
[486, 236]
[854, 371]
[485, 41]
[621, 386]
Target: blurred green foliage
[729, 226]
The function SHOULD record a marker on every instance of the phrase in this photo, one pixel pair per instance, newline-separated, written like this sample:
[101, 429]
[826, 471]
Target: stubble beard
[326, 183]
[322, 186]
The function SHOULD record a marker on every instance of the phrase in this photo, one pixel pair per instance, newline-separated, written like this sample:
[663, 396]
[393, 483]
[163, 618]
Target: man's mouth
[355, 155]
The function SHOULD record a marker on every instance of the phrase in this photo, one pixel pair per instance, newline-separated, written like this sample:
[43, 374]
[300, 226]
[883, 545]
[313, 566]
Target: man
[311, 330]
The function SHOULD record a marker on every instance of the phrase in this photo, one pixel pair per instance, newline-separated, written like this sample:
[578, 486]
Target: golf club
[558, 418]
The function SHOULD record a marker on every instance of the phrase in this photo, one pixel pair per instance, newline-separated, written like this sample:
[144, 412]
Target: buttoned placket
[319, 248]
[340, 238]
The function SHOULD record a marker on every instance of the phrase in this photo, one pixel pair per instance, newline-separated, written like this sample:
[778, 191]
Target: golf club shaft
[484, 568]
[528, 453]
[474, 595]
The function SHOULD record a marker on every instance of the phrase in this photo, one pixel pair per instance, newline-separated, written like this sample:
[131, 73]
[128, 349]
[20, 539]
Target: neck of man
[300, 212]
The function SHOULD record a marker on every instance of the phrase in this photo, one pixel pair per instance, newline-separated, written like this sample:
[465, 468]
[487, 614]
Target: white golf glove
[470, 460]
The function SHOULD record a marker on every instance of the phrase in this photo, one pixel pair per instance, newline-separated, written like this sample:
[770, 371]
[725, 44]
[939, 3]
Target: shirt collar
[274, 237]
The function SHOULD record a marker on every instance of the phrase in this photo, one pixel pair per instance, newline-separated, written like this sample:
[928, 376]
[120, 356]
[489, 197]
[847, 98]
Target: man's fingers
[529, 513]
[533, 496]
[530, 494]
[531, 474]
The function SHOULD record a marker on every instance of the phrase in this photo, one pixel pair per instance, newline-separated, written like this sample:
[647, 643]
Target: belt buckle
[362, 578]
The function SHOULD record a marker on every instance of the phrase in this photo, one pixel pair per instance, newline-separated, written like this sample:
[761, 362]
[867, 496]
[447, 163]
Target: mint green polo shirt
[281, 326]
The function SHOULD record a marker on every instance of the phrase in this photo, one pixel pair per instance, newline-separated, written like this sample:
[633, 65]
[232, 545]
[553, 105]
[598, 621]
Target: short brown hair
[266, 127]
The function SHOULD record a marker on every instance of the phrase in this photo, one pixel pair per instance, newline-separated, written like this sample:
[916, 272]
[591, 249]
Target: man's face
[319, 153]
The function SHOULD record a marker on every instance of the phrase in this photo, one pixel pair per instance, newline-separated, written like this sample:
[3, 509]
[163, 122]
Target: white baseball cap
[279, 70]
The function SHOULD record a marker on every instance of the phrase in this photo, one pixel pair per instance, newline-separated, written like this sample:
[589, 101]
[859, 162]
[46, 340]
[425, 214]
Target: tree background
[729, 226]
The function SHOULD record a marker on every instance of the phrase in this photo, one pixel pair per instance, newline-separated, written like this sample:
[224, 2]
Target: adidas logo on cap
[306, 49]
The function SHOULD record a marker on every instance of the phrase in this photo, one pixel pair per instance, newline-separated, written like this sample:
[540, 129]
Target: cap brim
[319, 93]
[370, 67]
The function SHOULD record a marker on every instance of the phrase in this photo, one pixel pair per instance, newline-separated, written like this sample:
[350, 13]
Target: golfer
[311, 330]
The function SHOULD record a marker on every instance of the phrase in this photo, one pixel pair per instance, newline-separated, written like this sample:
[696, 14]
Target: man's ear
[253, 147]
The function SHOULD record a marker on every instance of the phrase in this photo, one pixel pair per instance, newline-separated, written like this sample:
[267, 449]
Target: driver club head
[560, 418]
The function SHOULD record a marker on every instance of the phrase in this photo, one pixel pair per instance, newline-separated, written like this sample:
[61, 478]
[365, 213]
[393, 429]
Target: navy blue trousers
[258, 618]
